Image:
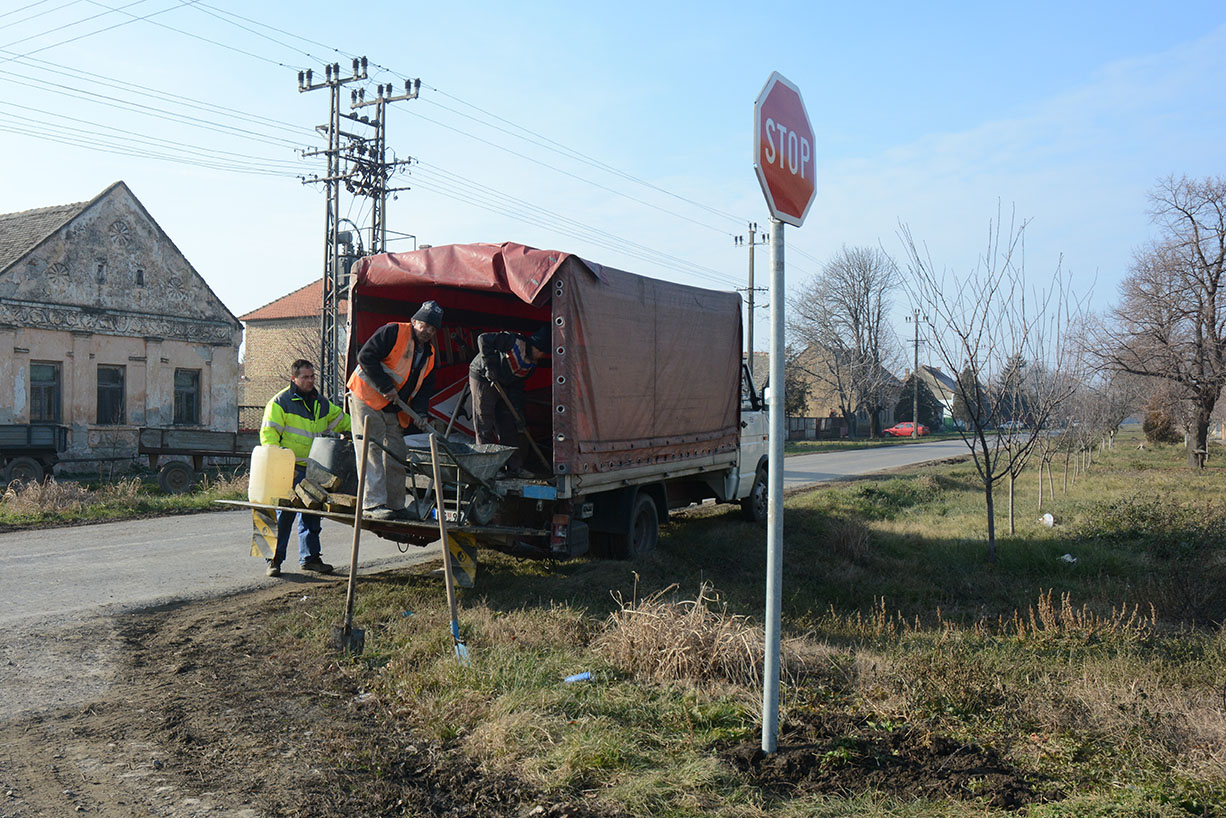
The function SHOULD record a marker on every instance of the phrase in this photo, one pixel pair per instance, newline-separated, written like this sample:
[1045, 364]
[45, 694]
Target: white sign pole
[774, 518]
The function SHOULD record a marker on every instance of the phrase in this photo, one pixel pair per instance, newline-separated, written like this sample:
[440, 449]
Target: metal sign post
[785, 160]
[774, 491]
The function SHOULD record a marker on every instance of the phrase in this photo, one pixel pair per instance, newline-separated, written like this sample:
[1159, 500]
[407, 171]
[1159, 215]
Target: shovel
[422, 423]
[461, 650]
[345, 637]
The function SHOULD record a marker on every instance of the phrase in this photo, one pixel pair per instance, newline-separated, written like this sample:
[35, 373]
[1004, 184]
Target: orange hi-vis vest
[398, 365]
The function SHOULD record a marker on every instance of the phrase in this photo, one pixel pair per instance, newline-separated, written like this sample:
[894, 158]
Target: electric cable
[482, 189]
[39, 14]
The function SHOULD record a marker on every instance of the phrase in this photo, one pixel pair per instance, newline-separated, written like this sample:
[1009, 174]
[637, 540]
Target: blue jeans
[308, 530]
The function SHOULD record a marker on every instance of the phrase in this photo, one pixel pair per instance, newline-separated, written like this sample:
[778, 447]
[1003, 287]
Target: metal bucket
[333, 457]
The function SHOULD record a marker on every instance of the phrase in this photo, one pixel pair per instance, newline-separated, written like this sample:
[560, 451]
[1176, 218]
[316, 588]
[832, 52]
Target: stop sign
[784, 150]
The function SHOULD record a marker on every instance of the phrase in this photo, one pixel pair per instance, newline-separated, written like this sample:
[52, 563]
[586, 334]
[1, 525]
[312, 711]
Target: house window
[111, 395]
[187, 397]
[140, 278]
[44, 392]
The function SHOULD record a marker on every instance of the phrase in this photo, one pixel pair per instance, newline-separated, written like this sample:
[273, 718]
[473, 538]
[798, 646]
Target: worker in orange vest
[397, 361]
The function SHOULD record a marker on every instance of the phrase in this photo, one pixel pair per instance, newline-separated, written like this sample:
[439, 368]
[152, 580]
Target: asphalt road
[112, 567]
[826, 466]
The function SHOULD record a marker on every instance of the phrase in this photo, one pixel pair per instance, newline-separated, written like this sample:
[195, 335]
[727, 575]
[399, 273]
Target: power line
[534, 138]
[151, 111]
[62, 26]
[90, 33]
[568, 173]
[216, 153]
[123, 150]
[586, 230]
[178, 99]
[206, 39]
[33, 16]
[552, 144]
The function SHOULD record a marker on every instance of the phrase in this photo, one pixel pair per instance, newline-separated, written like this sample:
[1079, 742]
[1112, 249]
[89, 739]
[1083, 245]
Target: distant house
[110, 328]
[943, 388]
[826, 378]
[279, 333]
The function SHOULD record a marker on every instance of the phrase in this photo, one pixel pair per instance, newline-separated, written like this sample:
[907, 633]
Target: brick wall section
[271, 346]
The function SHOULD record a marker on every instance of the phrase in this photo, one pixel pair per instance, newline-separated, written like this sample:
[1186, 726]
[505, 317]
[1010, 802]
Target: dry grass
[224, 484]
[850, 538]
[697, 640]
[48, 496]
[1048, 619]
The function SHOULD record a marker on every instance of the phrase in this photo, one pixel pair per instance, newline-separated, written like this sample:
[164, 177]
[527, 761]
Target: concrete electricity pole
[914, 318]
[359, 163]
[739, 241]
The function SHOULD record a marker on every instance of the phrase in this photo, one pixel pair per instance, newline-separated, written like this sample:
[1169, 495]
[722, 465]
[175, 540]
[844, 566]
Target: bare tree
[842, 317]
[1171, 320]
[985, 326]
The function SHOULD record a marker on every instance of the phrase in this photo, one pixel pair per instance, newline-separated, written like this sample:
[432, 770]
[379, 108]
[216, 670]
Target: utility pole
[739, 241]
[914, 318]
[377, 171]
[357, 162]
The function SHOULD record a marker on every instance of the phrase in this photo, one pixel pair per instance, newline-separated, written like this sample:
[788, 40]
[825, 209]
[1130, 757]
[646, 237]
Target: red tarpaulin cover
[643, 371]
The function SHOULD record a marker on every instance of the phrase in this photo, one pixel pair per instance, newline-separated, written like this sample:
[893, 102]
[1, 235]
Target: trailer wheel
[755, 507]
[24, 470]
[642, 530]
[176, 477]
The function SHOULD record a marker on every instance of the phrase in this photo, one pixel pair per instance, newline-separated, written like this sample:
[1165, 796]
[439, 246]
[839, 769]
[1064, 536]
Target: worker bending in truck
[395, 366]
[293, 419]
[504, 359]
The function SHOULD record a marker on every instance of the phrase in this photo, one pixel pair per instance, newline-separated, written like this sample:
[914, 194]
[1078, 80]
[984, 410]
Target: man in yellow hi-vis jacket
[293, 418]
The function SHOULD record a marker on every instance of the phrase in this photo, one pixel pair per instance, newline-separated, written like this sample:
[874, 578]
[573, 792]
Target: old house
[830, 385]
[279, 333]
[110, 328]
[943, 387]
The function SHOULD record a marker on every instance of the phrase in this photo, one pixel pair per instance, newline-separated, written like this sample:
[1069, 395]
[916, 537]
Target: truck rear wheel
[25, 470]
[642, 530]
[755, 507]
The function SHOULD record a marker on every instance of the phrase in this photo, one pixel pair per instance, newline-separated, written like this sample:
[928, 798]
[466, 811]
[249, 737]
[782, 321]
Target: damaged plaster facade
[100, 298]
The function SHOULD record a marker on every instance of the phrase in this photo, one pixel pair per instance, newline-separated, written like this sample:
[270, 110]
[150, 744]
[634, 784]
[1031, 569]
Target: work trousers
[308, 530]
[384, 469]
[492, 419]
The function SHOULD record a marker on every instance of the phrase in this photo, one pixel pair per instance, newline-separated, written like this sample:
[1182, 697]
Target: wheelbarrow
[465, 471]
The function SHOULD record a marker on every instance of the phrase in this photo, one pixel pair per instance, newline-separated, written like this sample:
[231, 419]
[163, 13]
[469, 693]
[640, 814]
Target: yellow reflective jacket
[293, 420]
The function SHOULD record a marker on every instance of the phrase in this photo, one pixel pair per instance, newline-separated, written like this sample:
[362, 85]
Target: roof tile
[22, 231]
[305, 302]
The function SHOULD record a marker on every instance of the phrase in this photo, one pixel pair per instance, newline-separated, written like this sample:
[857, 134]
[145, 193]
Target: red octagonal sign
[784, 150]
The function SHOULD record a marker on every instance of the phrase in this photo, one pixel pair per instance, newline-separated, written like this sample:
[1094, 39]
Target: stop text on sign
[793, 149]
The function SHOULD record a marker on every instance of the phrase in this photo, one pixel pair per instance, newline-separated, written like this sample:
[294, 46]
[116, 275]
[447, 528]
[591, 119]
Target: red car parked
[904, 429]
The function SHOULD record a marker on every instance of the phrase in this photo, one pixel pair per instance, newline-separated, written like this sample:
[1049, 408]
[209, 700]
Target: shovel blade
[348, 639]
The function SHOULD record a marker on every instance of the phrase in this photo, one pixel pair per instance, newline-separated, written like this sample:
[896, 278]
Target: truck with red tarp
[644, 405]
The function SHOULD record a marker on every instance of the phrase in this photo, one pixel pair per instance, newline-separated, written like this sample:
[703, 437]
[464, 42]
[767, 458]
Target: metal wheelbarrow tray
[462, 463]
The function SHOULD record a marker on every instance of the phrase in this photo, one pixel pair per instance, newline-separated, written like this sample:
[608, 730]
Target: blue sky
[925, 114]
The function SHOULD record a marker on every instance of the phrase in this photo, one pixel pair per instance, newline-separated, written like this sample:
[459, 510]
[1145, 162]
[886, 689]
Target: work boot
[380, 513]
[274, 569]
[317, 565]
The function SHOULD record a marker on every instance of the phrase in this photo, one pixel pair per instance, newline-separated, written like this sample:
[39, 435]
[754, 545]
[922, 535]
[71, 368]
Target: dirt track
[189, 711]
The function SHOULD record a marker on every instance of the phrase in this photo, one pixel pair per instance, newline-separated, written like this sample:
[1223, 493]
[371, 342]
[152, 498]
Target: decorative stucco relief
[50, 316]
